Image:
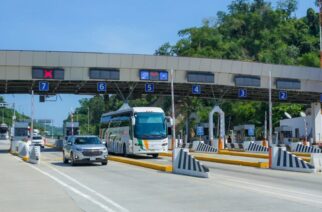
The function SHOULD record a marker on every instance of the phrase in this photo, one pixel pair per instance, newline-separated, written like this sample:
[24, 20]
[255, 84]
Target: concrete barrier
[186, 164]
[198, 146]
[284, 160]
[34, 154]
[253, 147]
[235, 146]
[297, 147]
[14, 147]
[23, 150]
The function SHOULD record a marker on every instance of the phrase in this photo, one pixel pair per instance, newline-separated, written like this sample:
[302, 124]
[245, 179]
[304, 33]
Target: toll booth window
[253, 81]
[109, 74]
[205, 77]
[288, 84]
[153, 75]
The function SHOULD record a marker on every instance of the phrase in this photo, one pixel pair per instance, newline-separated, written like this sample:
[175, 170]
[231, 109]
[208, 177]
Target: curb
[304, 156]
[159, 167]
[262, 165]
[244, 154]
[50, 145]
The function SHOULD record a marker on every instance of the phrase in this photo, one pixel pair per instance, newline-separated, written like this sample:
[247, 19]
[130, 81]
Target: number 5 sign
[101, 86]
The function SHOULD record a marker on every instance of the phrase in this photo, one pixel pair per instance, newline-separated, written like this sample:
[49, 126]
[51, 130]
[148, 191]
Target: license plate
[91, 158]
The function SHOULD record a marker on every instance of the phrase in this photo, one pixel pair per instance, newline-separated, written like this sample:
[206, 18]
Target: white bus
[137, 130]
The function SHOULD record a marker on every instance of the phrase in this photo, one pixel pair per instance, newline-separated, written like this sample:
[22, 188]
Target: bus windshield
[150, 126]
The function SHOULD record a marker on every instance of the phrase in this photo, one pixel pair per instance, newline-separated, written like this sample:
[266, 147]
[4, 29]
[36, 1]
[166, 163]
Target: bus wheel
[124, 150]
[155, 155]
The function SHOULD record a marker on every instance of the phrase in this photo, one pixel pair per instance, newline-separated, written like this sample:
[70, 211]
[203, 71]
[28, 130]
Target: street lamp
[287, 115]
[305, 126]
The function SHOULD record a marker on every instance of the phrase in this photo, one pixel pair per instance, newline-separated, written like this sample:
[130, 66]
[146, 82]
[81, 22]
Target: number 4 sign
[196, 89]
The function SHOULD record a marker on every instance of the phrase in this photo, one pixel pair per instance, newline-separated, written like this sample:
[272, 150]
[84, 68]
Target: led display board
[47, 73]
[104, 73]
[205, 77]
[153, 75]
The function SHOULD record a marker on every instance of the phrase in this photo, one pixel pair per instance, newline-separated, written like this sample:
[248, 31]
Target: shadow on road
[61, 164]
[4, 151]
[50, 150]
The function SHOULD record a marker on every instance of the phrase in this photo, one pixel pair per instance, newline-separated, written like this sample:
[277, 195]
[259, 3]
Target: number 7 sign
[43, 86]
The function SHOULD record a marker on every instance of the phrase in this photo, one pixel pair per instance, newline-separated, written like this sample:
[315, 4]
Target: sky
[113, 26]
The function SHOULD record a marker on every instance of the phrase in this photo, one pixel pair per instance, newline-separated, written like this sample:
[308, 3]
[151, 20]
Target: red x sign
[48, 74]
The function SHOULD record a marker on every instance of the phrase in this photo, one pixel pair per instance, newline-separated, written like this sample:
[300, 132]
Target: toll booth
[244, 132]
[71, 128]
[283, 135]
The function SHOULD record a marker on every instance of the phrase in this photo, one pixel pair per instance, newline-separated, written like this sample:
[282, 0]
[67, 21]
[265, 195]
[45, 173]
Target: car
[84, 149]
[38, 140]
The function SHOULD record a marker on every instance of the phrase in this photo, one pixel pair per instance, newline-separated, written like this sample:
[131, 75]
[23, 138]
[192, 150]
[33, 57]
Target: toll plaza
[216, 163]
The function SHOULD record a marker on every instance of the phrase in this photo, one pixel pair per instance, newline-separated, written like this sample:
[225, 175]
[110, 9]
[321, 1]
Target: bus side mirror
[169, 121]
[133, 120]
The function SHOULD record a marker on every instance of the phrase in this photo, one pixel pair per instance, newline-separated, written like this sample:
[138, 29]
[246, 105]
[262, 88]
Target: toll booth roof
[283, 128]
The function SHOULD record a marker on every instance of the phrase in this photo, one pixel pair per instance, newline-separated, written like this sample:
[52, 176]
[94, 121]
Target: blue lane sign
[101, 86]
[43, 86]
[196, 89]
[149, 87]
[242, 93]
[251, 132]
[321, 98]
[282, 95]
[200, 131]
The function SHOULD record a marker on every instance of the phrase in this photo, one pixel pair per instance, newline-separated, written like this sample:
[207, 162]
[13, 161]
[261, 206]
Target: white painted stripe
[89, 189]
[274, 191]
[76, 191]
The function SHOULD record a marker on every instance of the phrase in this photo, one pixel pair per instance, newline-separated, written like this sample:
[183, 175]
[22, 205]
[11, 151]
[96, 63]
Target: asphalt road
[122, 187]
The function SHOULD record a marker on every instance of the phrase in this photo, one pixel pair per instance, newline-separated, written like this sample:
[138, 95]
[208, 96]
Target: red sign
[48, 74]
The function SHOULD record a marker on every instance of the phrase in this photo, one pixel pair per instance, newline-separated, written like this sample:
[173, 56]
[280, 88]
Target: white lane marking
[269, 187]
[286, 194]
[76, 191]
[89, 189]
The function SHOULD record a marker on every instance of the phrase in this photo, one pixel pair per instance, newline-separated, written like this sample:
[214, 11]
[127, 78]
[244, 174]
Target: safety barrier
[186, 164]
[284, 160]
[297, 147]
[235, 146]
[316, 161]
[14, 147]
[254, 147]
[23, 150]
[185, 145]
[34, 154]
[198, 146]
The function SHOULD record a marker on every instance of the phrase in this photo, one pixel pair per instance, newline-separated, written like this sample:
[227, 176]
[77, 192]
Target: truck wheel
[124, 150]
[72, 159]
[64, 158]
